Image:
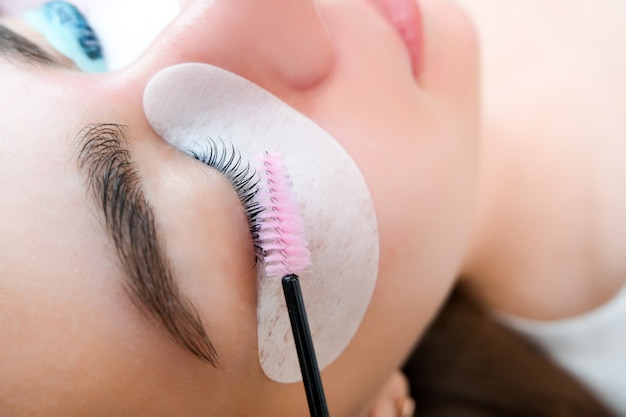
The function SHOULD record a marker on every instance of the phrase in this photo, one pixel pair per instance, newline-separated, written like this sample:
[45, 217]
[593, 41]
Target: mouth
[406, 17]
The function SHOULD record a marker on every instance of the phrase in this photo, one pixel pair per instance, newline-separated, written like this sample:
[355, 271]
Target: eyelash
[225, 158]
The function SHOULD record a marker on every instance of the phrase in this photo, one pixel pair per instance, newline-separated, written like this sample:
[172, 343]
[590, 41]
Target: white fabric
[591, 346]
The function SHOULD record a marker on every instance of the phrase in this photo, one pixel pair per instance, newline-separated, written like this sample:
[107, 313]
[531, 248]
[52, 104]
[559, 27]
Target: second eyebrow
[104, 156]
[13, 45]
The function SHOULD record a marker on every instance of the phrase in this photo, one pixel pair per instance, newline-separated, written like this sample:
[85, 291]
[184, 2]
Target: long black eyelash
[240, 173]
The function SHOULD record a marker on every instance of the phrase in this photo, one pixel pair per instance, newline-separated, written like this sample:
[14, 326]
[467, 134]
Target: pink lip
[406, 17]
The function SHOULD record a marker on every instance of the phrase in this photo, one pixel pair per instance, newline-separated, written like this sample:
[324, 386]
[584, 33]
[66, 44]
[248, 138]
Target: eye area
[224, 157]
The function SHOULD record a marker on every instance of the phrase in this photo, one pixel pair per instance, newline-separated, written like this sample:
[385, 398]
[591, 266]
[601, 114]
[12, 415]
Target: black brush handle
[304, 345]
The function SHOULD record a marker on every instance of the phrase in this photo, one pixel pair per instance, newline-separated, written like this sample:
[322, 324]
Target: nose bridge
[264, 41]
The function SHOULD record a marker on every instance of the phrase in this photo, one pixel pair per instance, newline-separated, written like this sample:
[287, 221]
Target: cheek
[421, 179]
[418, 157]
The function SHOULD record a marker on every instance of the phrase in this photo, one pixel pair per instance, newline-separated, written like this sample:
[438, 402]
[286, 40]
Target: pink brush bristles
[281, 228]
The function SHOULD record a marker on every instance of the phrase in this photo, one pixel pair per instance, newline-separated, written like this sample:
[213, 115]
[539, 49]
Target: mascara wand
[286, 253]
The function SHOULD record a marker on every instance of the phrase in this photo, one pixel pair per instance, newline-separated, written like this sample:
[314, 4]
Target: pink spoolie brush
[281, 230]
[286, 253]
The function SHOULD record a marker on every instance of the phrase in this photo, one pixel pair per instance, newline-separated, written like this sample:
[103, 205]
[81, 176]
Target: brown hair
[468, 365]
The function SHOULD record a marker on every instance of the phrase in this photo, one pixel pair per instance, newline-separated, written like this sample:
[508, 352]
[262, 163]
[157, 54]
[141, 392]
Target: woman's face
[74, 341]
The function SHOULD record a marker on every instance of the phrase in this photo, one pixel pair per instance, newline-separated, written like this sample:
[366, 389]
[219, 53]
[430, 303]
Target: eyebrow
[16, 46]
[104, 157]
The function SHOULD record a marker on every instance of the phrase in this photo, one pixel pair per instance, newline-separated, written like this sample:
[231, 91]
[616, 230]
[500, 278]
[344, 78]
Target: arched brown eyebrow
[104, 157]
[15, 46]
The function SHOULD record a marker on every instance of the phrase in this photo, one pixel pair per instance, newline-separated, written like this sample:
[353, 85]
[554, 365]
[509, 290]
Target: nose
[268, 42]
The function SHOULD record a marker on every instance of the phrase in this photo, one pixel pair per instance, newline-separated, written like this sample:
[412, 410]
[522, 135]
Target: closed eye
[225, 158]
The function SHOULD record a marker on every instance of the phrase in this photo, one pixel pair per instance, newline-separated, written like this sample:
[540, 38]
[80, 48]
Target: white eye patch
[187, 103]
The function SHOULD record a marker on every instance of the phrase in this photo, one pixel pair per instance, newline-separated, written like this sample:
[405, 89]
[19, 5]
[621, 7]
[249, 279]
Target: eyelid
[225, 158]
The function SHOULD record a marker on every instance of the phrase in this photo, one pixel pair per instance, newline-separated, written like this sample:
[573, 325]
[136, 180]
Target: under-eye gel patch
[187, 103]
